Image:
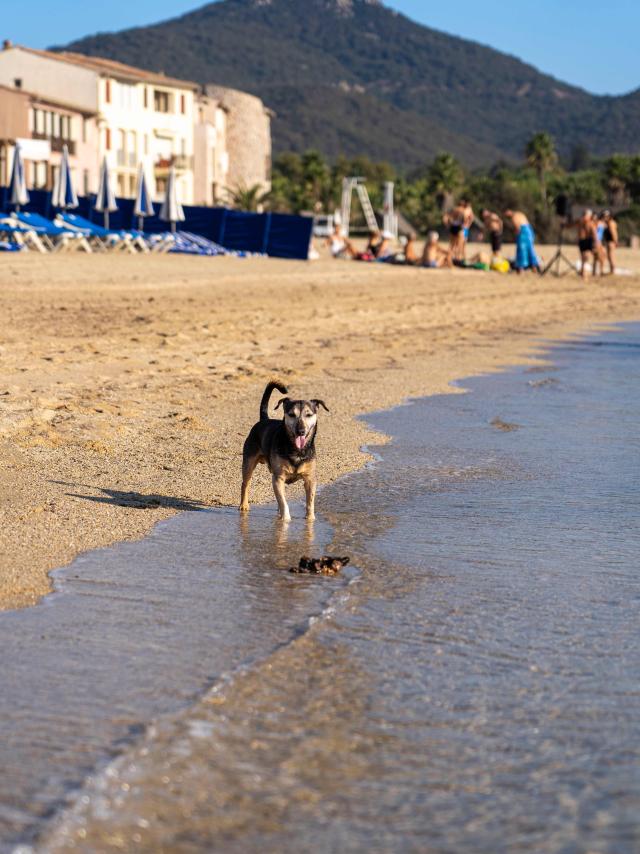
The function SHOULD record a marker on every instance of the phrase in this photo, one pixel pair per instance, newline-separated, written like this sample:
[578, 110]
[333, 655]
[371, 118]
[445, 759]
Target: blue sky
[588, 43]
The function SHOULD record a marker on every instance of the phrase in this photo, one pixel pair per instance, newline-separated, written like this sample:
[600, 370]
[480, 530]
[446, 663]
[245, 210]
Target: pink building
[42, 126]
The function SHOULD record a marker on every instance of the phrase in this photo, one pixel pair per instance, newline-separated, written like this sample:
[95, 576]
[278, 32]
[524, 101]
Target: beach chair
[208, 247]
[100, 237]
[54, 237]
[23, 238]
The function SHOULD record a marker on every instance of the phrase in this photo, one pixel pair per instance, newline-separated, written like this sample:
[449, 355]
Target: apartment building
[43, 126]
[105, 108]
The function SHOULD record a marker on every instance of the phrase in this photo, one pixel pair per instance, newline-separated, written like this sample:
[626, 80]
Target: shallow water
[472, 685]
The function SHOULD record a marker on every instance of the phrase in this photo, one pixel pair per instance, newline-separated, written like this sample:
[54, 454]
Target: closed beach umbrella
[64, 195]
[18, 193]
[144, 205]
[106, 199]
[171, 210]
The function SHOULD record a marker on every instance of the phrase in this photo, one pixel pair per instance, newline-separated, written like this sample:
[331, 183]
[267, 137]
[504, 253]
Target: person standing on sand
[610, 238]
[587, 242]
[526, 258]
[454, 220]
[494, 226]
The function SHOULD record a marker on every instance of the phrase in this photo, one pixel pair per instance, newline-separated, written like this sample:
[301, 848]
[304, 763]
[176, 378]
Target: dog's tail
[264, 403]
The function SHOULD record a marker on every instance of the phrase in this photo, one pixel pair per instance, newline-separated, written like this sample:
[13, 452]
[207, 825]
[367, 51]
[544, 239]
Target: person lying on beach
[610, 239]
[434, 255]
[587, 240]
[494, 228]
[339, 246]
[526, 258]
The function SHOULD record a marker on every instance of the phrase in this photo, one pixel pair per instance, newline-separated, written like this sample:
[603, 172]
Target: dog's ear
[283, 400]
[317, 403]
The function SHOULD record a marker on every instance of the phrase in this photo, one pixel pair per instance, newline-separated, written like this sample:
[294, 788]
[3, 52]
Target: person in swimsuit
[339, 246]
[587, 239]
[610, 238]
[455, 220]
[526, 258]
[468, 218]
[494, 226]
[434, 255]
[600, 254]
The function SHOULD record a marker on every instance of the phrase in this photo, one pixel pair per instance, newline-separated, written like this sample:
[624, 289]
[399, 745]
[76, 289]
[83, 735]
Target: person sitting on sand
[339, 246]
[587, 240]
[434, 255]
[411, 254]
[494, 226]
[526, 258]
[610, 239]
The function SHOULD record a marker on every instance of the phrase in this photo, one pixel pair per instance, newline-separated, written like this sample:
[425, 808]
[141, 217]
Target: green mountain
[354, 77]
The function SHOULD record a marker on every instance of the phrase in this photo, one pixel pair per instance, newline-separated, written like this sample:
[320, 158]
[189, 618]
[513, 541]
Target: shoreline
[125, 403]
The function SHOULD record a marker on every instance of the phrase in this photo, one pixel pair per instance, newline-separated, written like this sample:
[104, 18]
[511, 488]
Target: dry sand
[127, 384]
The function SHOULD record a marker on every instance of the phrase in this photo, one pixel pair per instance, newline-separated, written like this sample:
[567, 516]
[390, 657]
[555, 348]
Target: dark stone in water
[325, 565]
[505, 426]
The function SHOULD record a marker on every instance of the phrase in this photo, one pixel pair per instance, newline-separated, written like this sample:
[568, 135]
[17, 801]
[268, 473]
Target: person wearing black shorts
[494, 225]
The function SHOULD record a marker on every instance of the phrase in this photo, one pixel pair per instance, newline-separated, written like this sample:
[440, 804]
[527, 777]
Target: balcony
[181, 162]
[57, 142]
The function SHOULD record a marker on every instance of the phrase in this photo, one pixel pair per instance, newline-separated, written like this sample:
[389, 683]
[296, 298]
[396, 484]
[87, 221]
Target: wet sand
[127, 385]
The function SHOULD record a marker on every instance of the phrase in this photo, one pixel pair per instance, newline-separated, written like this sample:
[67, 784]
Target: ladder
[348, 186]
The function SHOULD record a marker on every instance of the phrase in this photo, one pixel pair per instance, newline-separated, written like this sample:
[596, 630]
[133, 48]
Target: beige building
[248, 137]
[215, 140]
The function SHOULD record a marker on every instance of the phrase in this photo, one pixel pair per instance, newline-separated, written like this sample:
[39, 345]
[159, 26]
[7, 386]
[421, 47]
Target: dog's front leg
[310, 492]
[281, 498]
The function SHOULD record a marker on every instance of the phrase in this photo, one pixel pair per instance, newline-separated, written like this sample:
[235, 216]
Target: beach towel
[525, 253]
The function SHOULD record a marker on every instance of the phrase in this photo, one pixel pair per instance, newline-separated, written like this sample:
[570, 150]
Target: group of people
[597, 242]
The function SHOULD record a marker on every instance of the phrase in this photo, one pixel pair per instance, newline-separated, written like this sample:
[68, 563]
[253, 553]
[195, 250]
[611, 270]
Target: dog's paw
[244, 508]
[310, 517]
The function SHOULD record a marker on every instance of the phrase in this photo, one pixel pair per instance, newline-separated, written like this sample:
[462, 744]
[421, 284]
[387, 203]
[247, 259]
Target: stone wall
[248, 138]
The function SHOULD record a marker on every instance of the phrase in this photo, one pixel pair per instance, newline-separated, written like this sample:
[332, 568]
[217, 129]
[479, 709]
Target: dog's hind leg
[281, 498]
[310, 492]
[248, 467]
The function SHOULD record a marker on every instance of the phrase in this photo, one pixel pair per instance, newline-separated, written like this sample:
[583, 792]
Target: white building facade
[134, 116]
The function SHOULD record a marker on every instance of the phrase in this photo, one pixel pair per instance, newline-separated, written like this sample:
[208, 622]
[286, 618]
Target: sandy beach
[127, 384]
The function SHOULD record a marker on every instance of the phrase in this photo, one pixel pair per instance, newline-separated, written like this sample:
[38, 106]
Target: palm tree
[541, 155]
[245, 198]
[444, 177]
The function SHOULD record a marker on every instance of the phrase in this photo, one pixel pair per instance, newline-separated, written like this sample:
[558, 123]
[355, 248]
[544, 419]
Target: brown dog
[287, 447]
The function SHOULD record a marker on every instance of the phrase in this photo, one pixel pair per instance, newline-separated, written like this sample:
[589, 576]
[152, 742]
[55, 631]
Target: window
[146, 143]
[107, 139]
[85, 182]
[107, 91]
[161, 186]
[18, 82]
[55, 126]
[160, 101]
[84, 130]
[65, 127]
[38, 117]
[40, 175]
[146, 97]
[183, 104]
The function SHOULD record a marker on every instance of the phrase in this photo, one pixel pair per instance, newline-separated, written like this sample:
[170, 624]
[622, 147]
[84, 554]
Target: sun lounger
[103, 238]
[19, 235]
[53, 236]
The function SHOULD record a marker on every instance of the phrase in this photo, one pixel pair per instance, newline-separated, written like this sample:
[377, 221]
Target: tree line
[308, 183]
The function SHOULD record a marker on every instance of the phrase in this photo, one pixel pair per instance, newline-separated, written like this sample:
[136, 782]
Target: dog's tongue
[301, 441]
